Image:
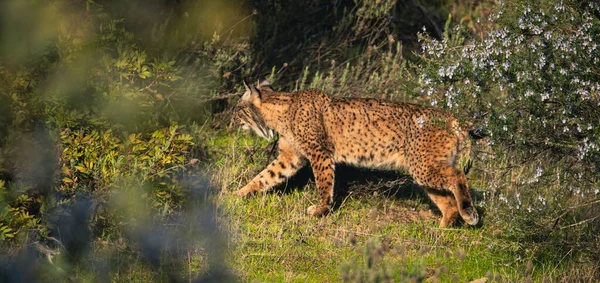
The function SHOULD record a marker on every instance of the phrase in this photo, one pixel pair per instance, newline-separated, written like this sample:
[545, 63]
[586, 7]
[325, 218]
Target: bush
[530, 82]
[91, 150]
[95, 103]
[99, 111]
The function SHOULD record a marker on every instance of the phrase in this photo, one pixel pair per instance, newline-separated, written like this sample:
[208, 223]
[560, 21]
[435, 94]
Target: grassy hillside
[118, 159]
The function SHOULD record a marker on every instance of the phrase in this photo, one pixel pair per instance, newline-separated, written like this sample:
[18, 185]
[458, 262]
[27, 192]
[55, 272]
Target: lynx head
[247, 114]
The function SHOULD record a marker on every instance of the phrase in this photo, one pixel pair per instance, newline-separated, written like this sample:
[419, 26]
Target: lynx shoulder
[322, 131]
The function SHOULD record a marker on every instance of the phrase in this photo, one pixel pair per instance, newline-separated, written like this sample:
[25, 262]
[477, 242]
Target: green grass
[274, 240]
[383, 227]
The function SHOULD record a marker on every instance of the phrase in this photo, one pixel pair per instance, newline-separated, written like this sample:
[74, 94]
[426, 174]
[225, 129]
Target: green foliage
[545, 103]
[18, 219]
[112, 106]
[100, 159]
[531, 82]
[96, 163]
[108, 102]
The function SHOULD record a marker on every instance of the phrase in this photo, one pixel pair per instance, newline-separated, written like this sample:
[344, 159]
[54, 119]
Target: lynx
[323, 131]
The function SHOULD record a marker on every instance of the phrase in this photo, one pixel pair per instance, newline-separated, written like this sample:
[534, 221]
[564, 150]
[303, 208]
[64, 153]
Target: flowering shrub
[531, 83]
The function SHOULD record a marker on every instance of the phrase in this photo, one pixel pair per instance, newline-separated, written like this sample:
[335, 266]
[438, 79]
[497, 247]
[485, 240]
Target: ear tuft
[251, 92]
[246, 87]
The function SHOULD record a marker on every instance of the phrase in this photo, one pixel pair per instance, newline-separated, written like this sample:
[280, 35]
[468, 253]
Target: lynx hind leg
[323, 169]
[446, 203]
[456, 182]
[444, 176]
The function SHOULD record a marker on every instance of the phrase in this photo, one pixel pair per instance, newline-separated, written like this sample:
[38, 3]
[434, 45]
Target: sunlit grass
[274, 239]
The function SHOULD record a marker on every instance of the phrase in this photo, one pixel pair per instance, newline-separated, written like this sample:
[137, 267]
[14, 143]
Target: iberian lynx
[321, 130]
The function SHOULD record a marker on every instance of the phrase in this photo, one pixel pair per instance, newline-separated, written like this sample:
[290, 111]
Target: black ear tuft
[251, 92]
[246, 86]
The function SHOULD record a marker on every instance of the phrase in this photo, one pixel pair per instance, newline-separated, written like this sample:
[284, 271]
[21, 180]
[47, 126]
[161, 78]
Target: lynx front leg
[323, 169]
[284, 166]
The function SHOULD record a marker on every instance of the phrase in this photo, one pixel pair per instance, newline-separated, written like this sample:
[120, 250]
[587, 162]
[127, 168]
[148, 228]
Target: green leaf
[81, 169]
[144, 74]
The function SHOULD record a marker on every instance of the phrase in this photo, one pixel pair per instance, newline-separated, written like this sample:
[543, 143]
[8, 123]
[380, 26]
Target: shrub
[530, 82]
[90, 109]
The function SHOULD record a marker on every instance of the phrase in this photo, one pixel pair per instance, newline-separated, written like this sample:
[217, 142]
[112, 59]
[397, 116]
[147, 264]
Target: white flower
[430, 91]
[442, 72]
[545, 95]
[542, 200]
[538, 173]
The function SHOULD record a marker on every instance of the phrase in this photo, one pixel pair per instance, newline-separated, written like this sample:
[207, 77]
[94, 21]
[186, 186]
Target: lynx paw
[317, 210]
[470, 216]
[243, 192]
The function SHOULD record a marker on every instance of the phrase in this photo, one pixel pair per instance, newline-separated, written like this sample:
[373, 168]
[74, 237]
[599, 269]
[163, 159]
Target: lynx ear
[251, 92]
[264, 84]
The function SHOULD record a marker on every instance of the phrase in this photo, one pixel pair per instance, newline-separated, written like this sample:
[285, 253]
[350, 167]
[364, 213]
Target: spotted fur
[322, 131]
